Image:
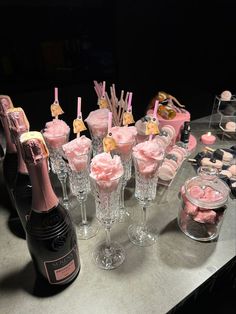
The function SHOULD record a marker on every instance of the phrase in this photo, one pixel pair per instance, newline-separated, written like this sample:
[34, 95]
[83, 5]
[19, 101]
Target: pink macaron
[178, 155]
[171, 162]
[166, 173]
[170, 130]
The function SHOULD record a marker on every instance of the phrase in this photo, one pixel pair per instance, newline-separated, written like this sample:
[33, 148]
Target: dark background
[185, 48]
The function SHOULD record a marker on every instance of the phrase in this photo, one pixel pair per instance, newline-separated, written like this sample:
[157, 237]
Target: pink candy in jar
[204, 200]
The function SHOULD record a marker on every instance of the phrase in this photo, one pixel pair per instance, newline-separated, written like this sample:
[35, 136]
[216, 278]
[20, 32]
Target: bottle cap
[34, 148]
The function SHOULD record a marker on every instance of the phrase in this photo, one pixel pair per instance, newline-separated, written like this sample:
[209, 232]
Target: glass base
[87, 231]
[109, 258]
[142, 236]
[199, 231]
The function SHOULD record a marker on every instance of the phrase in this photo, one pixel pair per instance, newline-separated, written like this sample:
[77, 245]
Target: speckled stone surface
[151, 280]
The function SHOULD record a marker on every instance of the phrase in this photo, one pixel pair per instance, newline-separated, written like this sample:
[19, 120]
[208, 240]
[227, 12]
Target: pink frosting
[97, 121]
[149, 155]
[105, 169]
[56, 133]
[77, 152]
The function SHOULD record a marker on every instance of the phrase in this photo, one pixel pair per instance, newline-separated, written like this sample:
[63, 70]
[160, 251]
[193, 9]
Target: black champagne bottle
[22, 189]
[10, 159]
[51, 235]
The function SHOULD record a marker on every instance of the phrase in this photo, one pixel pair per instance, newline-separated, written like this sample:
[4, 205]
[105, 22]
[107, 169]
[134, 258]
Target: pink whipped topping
[149, 155]
[97, 121]
[105, 169]
[56, 133]
[77, 152]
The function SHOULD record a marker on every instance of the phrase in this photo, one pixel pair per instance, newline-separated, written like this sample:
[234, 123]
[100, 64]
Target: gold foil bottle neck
[34, 148]
[18, 122]
[5, 104]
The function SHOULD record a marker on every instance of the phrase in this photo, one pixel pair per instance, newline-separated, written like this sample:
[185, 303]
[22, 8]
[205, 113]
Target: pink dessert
[77, 152]
[201, 214]
[125, 138]
[106, 169]
[190, 208]
[166, 172]
[170, 130]
[56, 133]
[207, 216]
[149, 156]
[196, 191]
[97, 121]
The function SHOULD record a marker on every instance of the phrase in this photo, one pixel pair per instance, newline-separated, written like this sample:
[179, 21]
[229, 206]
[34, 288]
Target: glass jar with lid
[204, 199]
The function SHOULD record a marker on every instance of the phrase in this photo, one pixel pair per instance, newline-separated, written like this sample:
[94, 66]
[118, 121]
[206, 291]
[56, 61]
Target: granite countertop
[151, 280]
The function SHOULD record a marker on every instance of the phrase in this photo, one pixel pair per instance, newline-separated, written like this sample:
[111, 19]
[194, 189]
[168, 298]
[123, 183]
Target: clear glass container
[204, 199]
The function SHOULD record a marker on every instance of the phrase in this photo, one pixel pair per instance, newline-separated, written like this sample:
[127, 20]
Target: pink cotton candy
[190, 208]
[124, 134]
[77, 153]
[97, 121]
[211, 194]
[56, 133]
[196, 191]
[125, 138]
[105, 169]
[149, 156]
[208, 216]
[148, 151]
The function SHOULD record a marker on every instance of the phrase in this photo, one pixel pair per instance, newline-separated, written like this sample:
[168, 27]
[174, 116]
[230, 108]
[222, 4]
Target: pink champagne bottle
[10, 159]
[50, 232]
[22, 189]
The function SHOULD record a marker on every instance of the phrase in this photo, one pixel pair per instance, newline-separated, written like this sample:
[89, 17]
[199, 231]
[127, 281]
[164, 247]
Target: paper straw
[129, 108]
[56, 94]
[155, 109]
[109, 121]
[103, 88]
[79, 107]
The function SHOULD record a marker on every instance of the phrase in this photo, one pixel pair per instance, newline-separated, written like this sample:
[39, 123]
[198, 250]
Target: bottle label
[61, 269]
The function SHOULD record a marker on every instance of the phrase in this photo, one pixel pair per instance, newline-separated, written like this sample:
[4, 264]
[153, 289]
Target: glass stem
[144, 216]
[83, 212]
[122, 196]
[64, 188]
[108, 236]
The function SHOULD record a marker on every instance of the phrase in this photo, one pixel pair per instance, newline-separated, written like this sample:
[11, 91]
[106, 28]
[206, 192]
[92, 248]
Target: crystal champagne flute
[107, 255]
[80, 187]
[146, 178]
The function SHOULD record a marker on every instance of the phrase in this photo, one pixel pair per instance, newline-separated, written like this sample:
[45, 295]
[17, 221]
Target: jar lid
[206, 190]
